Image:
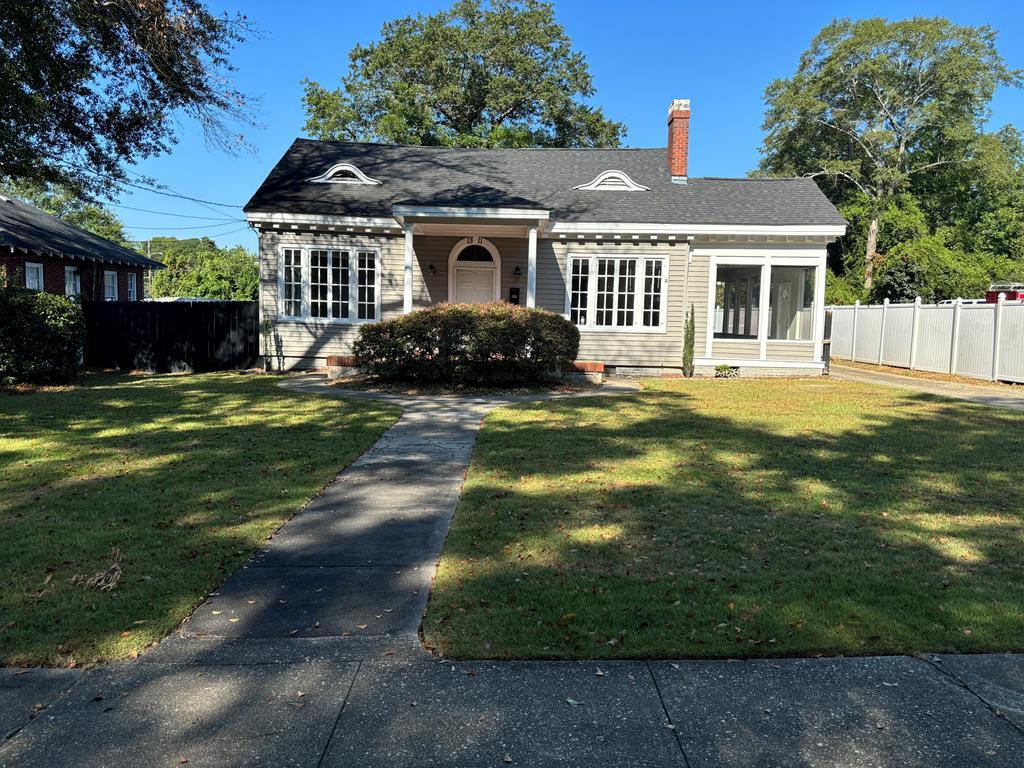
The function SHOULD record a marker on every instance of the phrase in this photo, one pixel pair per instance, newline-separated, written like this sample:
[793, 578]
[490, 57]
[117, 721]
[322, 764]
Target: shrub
[689, 335]
[463, 344]
[41, 336]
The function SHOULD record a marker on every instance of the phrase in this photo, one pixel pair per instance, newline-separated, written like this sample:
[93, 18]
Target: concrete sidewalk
[995, 396]
[309, 656]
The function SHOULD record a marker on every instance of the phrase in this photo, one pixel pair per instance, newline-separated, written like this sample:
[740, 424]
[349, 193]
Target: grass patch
[171, 480]
[737, 519]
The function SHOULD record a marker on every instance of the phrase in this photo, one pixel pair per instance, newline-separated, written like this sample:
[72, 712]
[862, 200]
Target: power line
[175, 215]
[203, 226]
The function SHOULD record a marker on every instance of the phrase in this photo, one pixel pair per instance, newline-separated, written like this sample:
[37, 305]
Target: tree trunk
[871, 254]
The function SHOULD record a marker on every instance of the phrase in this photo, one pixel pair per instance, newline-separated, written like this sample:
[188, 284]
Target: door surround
[493, 266]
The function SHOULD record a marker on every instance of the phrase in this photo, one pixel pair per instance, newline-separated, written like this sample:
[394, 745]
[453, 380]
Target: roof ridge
[478, 149]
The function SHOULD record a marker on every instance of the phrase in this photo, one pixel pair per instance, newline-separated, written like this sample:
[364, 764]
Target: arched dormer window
[613, 181]
[343, 173]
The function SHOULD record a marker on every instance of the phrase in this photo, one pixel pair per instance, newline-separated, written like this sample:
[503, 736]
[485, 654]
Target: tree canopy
[90, 87]
[890, 117]
[199, 268]
[500, 75]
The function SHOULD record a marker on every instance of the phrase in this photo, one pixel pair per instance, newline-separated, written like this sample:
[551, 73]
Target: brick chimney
[679, 139]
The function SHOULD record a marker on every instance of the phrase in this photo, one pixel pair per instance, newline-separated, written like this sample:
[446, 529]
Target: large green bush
[469, 344]
[41, 336]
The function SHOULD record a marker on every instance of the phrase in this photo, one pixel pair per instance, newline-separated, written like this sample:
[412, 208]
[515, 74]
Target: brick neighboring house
[41, 252]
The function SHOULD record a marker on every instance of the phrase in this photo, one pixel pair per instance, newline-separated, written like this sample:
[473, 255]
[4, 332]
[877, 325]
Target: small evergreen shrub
[468, 344]
[41, 337]
[688, 340]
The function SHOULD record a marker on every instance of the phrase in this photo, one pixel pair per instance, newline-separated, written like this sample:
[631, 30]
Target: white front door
[474, 285]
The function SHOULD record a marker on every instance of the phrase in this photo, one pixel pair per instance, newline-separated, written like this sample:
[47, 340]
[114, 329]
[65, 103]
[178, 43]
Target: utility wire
[175, 215]
[203, 226]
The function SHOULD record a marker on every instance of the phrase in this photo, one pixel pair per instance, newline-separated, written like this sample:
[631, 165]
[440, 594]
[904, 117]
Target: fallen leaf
[362, 626]
[573, 703]
[216, 613]
[599, 673]
[233, 619]
[508, 758]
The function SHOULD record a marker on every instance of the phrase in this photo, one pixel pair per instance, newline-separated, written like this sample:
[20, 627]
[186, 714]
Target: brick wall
[91, 274]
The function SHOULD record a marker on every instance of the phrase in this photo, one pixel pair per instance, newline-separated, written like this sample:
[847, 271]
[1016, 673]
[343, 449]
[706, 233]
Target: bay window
[329, 284]
[791, 304]
[616, 293]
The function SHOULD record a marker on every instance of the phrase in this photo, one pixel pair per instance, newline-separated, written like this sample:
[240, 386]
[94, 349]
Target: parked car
[1010, 291]
[965, 301]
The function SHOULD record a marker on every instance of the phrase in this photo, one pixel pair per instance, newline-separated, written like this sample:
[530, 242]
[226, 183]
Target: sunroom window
[791, 304]
[616, 293]
[737, 302]
[329, 284]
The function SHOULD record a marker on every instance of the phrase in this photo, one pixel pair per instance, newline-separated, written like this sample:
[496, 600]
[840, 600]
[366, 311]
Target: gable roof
[543, 177]
[25, 226]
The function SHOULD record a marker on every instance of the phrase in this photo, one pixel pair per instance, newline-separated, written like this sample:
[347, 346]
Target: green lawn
[737, 518]
[184, 475]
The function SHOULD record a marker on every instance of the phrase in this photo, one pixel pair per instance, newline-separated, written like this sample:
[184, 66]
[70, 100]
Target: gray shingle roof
[25, 226]
[430, 175]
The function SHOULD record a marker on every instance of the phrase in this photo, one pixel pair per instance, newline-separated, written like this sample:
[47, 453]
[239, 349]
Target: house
[44, 253]
[620, 241]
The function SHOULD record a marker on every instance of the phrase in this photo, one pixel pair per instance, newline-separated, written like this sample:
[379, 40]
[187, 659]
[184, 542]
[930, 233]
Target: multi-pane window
[337, 284]
[133, 287]
[652, 292]
[33, 276]
[579, 288]
[619, 286]
[291, 265]
[328, 284]
[367, 286]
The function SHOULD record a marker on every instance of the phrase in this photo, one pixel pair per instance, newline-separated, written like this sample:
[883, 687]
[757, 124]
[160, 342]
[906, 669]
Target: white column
[531, 270]
[819, 310]
[764, 310]
[915, 327]
[407, 294]
[997, 335]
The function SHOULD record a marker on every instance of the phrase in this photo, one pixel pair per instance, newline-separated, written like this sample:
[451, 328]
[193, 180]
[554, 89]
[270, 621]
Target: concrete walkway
[309, 656]
[996, 396]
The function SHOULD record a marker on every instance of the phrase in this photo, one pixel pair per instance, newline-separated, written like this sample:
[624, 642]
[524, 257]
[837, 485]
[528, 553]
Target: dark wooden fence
[167, 336]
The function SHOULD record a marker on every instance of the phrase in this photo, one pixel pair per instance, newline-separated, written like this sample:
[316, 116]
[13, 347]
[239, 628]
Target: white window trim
[638, 292]
[42, 275]
[494, 266]
[766, 261]
[133, 287]
[326, 176]
[68, 272]
[117, 292]
[353, 248]
[598, 184]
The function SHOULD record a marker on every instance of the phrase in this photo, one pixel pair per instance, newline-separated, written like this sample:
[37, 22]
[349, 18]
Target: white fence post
[914, 326]
[954, 348]
[853, 347]
[881, 331]
[997, 333]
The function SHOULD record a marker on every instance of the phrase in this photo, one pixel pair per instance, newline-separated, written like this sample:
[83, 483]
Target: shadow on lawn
[654, 525]
[184, 475]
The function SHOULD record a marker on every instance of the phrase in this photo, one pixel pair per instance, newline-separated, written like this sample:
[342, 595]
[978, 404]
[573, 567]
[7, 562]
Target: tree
[504, 75]
[90, 87]
[689, 336]
[60, 202]
[875, 106]
[199, 268]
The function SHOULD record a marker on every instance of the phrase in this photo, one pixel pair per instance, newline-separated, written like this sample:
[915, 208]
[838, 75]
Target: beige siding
[791, 350]
[736, 349]
[627, 349]
[304, 343]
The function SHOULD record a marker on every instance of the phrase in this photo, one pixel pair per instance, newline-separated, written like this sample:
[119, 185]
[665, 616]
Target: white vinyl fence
[984, 341]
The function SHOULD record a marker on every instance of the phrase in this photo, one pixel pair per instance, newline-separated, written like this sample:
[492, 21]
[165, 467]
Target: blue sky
[641, 55]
